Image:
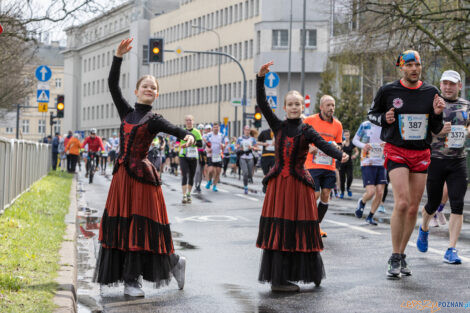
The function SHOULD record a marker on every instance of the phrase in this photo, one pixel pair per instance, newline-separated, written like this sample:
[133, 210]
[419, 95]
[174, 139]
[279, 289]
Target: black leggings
[188, 169]
[346, 169]
[454, 173]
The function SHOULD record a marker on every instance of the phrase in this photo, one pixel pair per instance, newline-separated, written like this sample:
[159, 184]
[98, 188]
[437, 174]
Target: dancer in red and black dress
[135, 233]
[289, 231]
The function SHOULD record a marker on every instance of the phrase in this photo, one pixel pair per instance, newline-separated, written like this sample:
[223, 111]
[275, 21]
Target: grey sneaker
[394, 266]
[185, 199]
[133, 289]
[188, 198]
[179, 272]
[404, 266]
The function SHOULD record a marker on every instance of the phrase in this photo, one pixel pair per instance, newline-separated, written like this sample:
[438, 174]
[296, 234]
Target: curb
[66, 294]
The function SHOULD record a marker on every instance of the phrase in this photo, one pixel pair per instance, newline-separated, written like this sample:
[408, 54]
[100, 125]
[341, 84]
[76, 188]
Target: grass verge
[31, 233]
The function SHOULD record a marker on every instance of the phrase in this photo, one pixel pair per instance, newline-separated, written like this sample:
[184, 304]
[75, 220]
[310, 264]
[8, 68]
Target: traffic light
[60, 106]
[156, 50]
[258, 116]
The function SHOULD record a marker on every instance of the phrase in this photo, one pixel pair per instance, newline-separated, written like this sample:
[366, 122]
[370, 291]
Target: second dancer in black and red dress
[289, 231]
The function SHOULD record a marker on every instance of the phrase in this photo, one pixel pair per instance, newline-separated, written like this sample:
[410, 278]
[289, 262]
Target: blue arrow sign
[43, 73]
[271, 80]
[272, 100]
[43, 95]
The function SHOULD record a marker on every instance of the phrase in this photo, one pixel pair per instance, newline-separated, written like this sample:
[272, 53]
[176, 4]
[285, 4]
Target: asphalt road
[217, 233]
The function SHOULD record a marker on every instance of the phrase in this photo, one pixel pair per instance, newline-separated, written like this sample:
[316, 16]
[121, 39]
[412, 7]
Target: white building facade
[252, 31]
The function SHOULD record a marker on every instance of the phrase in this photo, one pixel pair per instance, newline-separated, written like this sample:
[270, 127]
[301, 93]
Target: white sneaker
[179, 272]
[433, 222]
[133, 289]
[441, 218]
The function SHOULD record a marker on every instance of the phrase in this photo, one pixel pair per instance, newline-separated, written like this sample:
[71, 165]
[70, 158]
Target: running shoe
[381, 209]
[434, 222]
[394, 266]
[452, 257]
[404, 266]
[349, 193]
[371, 221]
[188, 198]
[214, 188]
[341, 195]
[360, 208]
[323, 233]
[185, 199]
[246, 190]
[441, 218]
[422, 242]
[208, 185]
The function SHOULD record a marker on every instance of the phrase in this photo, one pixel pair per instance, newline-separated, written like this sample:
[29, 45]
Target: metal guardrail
[22, 163]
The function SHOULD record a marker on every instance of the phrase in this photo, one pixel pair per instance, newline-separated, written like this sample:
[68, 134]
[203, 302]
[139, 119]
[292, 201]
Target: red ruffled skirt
[289, 233]
[135, 233]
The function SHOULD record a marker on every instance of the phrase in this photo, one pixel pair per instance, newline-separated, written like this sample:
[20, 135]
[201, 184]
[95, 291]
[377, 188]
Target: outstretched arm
[159, 124]
[121, 104]
[329, 149]
[273, 121]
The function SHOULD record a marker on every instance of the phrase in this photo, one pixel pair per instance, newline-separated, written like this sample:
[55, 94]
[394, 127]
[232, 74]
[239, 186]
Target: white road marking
[246, 197]
[222, 190]
[209, 218]
[412, 244]
[365, 230]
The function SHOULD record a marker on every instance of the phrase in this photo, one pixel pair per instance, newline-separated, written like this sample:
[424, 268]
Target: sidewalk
[356, 187]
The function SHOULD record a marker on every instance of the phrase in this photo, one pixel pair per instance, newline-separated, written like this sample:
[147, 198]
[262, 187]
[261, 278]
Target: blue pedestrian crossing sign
[43, 73]
[43, 95]
[272, 100]
[271, 80]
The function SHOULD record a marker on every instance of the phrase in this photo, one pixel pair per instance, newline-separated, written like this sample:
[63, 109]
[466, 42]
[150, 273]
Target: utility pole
[290, 48]
[304, 34]
[18, 111]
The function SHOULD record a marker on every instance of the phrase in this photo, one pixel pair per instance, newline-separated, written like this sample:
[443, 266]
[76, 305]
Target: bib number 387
[413, 126]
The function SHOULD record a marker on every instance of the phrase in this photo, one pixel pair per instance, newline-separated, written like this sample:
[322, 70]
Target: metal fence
[21, 164]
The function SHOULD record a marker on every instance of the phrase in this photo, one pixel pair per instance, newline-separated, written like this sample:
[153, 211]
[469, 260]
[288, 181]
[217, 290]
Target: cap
[452, 76]
[208, 126]
[93, 131]
[247, 127]
[200, 126]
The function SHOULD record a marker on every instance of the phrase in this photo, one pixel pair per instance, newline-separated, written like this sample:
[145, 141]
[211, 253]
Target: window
[311, 39]
[280, 38]
[93, 89]
[57, 126]
[42, 126]
[102, 60]
[102, 85]
[246, 10]
[84, 90]
[102, 111]
[9, 130]
[25, 126]
[97, 86]
[112, 110]
[94, 63]
[89, 64]
[245, 55]
[58, 82]
[256, 7]
[84, 65]
[250, 49]
[258, 42]
[98, 61]
[92, 113]
[84, 114]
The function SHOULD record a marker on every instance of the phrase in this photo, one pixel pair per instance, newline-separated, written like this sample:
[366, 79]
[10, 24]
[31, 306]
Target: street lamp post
[218, 65]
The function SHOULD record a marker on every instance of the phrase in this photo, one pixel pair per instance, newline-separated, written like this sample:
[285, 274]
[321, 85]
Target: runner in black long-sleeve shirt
[408, 110]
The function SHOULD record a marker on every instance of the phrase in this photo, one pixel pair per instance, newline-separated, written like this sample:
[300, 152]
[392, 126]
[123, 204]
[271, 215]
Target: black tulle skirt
[279, 267]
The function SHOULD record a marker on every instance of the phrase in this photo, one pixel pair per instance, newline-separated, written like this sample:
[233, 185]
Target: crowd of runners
[413, 139]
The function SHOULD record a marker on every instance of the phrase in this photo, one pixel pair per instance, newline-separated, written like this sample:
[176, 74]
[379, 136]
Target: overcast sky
[55, 30]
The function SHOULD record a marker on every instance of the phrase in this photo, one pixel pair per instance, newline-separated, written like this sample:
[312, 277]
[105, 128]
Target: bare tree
[441, 26]
[22, 22]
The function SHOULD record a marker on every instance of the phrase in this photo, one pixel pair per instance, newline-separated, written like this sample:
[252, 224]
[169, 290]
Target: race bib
[322, 159]
[270, 147]
[216, 158]
[456, 138]
[246, 145]
[413, 126]
[84, 154]
[377, 151]
[191, 152]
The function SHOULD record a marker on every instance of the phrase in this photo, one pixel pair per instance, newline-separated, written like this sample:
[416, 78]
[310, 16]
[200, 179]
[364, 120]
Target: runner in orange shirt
[321, 166]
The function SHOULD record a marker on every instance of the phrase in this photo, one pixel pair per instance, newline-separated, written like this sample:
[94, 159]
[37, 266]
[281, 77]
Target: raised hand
[265, 69]
[439, 104]
[446, 129]
[189, 141]
[124, 47]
